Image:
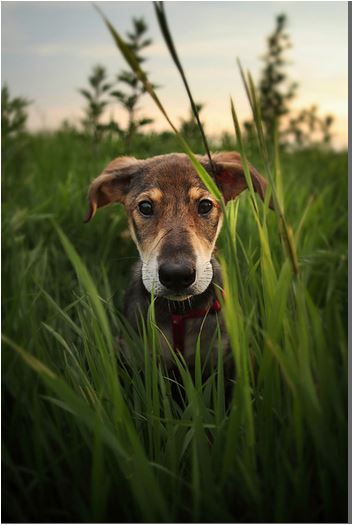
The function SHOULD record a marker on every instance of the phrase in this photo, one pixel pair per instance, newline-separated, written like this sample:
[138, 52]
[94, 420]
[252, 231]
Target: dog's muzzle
[176, 280]
[176, 277]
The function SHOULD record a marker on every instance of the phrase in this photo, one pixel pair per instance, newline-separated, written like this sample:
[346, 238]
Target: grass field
[85, 439]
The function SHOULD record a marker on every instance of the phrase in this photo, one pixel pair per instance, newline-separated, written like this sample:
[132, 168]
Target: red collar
[178, 322]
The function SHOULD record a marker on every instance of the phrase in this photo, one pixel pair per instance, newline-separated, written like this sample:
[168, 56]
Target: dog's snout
[176, 277]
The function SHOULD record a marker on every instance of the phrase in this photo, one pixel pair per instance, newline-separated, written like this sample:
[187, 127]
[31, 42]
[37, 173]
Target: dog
[174, 221]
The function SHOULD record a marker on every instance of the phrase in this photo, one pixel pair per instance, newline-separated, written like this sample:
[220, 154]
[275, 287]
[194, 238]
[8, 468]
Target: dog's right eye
[146, 208]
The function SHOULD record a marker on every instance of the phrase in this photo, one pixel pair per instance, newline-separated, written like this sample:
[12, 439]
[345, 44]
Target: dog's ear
[230, 176]
[112, 185]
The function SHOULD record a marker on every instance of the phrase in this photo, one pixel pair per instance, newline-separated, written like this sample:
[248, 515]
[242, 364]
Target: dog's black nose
[175, 276]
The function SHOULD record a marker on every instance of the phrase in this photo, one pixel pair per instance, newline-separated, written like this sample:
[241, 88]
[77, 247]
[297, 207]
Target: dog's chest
[208, 331]
[202, 322]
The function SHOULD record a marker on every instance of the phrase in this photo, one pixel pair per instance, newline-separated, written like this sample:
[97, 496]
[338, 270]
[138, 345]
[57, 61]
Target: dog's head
[173, 219]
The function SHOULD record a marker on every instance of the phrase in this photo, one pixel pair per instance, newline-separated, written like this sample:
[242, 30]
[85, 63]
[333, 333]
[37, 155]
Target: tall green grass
[90, 437]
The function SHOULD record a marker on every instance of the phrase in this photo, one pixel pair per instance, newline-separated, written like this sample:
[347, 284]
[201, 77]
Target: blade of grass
[131, 458]
[163, 24]
[134, 64]
[285, 230]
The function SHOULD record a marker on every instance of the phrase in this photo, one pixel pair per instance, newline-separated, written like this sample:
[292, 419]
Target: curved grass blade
[163, 24]
[243, 158]
[87, 284]
[285, 230]
[134, 64]
[122, 440]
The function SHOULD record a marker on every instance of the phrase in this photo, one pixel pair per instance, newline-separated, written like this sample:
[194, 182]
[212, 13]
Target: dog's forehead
[170, 173]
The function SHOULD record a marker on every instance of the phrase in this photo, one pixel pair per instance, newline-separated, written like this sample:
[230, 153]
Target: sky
[49, 49]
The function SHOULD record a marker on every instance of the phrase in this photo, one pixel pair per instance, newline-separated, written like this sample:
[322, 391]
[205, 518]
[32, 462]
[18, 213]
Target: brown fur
[176, 232]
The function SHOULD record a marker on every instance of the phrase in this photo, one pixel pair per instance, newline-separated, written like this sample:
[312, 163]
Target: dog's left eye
[205, 206]
[146, 208]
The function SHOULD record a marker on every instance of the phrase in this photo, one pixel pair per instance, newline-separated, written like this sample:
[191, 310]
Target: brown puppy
[174, 222]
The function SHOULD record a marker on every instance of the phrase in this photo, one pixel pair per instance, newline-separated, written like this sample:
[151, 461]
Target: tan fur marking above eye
[196, 193]
[154, 194]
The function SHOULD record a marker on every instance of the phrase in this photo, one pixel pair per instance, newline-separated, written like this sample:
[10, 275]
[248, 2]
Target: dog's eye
[205, 206]
[146, 208]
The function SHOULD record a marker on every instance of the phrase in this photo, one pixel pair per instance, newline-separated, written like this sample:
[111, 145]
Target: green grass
[93, 438]
[88, 439]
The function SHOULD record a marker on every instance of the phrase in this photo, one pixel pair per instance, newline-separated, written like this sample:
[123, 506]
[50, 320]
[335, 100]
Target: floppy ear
[112, 185]
[230, 176]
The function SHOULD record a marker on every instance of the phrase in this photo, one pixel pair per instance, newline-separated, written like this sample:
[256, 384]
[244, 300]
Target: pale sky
[49, 48]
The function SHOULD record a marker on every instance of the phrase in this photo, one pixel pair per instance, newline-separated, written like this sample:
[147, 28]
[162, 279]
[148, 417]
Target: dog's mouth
[177, 296]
